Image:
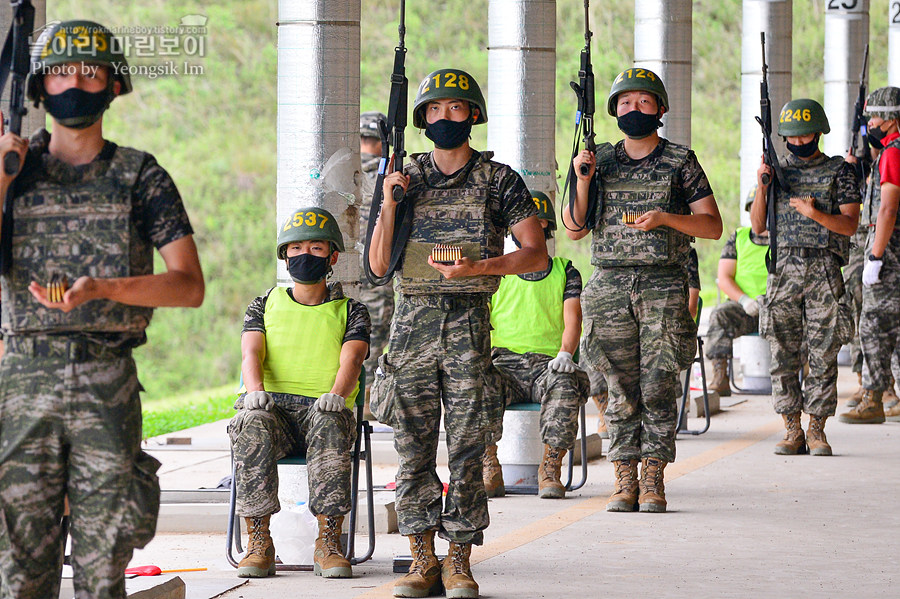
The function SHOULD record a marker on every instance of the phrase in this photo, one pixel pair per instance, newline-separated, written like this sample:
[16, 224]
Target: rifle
[858, 130]
[584, 126]
[770, 157]
[392, 137]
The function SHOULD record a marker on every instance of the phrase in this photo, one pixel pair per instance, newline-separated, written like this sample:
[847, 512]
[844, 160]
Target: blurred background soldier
[805, 294]
[89, 212]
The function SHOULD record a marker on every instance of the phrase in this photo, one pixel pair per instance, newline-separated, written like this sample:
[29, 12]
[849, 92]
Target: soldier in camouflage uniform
[89, 212]
[879, 323]
[302, 350]
[379, 299]
[536, 322]
[805, 294]
[637, 326]
[439, 351]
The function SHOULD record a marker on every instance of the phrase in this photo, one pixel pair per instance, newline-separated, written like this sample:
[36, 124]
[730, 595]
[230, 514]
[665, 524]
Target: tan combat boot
[424, 577]
[815, 436]
[720, 382]
[794, 442]
[652, 496]
[456, 573]
[328, 559]
[492, 472]
[625, 497]
[857, 395]
[869, 411]
[892, 414]
[549, 484]
[889, 398]
[259, 560]
[601, 400]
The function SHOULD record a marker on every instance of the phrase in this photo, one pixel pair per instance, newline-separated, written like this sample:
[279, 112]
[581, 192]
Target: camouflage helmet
[444, 84]
[884, 102]
[368, 124]
[751, 195]
[802, 117]
[545, 208]
[308, 224]
[636, 79]
[76, 41]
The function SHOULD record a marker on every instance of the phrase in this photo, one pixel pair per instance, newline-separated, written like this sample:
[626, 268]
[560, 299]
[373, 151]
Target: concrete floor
[742, 522]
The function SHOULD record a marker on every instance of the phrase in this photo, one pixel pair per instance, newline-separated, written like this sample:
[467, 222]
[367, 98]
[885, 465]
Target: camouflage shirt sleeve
[847, 185]
[694, 183]
[359, 326]
[158, 210]
[254, 317]
[693, 270]
[514, 203]
[573, 283]
[729, 252]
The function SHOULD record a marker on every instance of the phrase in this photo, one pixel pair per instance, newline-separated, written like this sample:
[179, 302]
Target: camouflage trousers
[597, 379]
[637, 330]
[879, 324]
[71, 427]
[854, 288]
[525, 378]
[380, 303]
[439, 357]
[803, 302]
[260, 438]
[727, 322]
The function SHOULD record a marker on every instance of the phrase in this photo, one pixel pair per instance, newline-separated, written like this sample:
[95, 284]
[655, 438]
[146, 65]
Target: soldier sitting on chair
[299, 393]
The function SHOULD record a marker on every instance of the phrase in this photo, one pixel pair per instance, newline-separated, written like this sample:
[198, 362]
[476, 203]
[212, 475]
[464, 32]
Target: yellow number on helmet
[81, 38]
[463, 82]
[450, 80]
[298, 219]
[100, 42]
[437, 80]
[311, 219]
[798, 116]
[323, 219]
[807, 116]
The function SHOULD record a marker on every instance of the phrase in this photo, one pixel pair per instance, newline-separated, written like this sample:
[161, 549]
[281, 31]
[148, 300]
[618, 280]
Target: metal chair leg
[684, 396]
[584, 469]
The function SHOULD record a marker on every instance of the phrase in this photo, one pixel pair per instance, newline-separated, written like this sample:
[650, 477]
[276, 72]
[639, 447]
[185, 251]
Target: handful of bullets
[58, 285]
[629, 216]
[806, 198]
[446, 254]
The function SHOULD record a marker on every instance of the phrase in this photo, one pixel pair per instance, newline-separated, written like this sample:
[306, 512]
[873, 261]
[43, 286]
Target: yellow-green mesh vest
[750, 271]
[527, 316]
[816, 179]
[75, 222]
[303, 345]
[648, 185]
[872, 203]
[456, 213]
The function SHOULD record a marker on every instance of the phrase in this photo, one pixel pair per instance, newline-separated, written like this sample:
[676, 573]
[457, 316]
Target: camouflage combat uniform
[523, 376]
[439, 351]
[879, 323]
[805, 295]
[69, 394]
[379, 299]
[260, 438]
[637, 328]
[729, 320]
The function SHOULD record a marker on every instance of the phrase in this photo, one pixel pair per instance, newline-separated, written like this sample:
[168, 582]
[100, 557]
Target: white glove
[562, 363]
[750, 305]
[872, 272]
[330, 402]
[258, 400]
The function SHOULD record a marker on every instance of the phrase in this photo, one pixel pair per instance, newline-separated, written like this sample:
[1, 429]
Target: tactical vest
[750, 272]
[527, 316]
[816, 180]
[872, 203]
[456, 213]
[647, 185]
[75, 222]
[303, 346]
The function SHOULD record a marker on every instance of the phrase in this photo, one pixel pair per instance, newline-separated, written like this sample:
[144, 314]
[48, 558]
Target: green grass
[179, 417]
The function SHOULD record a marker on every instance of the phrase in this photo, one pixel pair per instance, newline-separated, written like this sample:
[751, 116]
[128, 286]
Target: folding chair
[362, 450]
[687, 385]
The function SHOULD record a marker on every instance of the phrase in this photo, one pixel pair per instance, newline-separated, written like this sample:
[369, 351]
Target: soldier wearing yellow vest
[302, 349]
[536, 321]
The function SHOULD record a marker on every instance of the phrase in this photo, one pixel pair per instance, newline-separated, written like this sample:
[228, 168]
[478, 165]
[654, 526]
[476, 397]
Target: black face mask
[804, 150]
[875, 135]
[638, 125]
[76, 108]
[447, 134]
[308, 269]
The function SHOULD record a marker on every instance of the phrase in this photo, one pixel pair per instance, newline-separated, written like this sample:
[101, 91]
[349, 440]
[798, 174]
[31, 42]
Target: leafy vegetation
[215, 133]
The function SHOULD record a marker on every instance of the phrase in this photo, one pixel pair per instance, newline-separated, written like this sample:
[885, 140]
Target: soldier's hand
[390, 180]
[872, 272]
[750, 305]
[562, 363]
[764, 169]
[588, 158]
[83, 290]
[463, 267]
[258, 400]
[805, 206]
[10, 142]
[648, 221]
[330, 402]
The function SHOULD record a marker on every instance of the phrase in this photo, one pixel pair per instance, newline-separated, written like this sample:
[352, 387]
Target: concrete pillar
[846, 36]
[894, 43]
